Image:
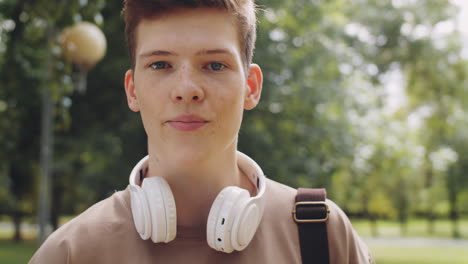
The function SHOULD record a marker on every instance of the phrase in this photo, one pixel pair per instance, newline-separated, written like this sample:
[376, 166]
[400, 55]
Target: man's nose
[188, 86]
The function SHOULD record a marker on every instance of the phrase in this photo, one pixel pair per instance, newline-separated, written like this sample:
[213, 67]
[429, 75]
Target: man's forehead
[181, 14]
[211, 33]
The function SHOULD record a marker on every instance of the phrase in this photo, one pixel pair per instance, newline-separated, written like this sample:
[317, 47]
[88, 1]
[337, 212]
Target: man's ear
[254, 85]
[130, 91]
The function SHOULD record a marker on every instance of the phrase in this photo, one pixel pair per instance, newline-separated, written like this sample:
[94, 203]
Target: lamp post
[83, 44]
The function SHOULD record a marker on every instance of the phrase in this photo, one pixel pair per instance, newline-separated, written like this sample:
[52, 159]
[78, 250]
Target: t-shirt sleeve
[53, 251]
[84, 238]
[345, 245]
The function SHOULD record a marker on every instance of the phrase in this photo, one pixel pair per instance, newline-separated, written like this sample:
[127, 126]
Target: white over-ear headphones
[233, 219]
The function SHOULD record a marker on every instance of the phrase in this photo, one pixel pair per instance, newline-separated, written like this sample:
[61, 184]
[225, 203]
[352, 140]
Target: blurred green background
[368, 99]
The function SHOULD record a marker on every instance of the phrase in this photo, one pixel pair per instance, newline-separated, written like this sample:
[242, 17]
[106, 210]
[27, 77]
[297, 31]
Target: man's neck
[196, 187]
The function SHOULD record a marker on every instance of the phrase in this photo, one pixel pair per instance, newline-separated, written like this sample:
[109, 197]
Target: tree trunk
[430, 222]
[430, 211]
[403, 204]
[455, 228]
[54, 216]
[373, 225]
[372, 218]
[57, 195]
[454, 215]
[17, 225]
[403, 228]
[452, 188]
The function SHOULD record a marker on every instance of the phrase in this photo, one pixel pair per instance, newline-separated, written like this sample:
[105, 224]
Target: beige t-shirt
[105, 234]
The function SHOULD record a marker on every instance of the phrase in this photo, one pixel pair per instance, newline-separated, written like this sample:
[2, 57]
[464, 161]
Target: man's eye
[216, 66]
[159, 65]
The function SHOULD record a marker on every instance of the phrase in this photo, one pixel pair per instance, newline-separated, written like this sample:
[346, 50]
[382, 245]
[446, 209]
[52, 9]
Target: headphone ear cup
[212, 218]
[222, 216]
[153, 192]
[170, 210]
[140, 211]
[245, 224]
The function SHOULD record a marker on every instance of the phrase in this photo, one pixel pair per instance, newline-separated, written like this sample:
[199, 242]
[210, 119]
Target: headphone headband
[255, 175]
[245, 163]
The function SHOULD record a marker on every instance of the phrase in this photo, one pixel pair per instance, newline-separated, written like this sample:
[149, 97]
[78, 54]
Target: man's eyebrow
[157, 53]
[199, 53]
[214, 51]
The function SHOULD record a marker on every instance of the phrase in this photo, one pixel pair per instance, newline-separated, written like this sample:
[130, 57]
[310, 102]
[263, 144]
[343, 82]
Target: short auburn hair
[134, 11]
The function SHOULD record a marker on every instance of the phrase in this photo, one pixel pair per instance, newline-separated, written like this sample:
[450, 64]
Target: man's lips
[187, 122]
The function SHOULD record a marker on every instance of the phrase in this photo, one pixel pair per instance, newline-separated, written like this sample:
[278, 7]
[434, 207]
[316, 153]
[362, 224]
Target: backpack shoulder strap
[311, 215]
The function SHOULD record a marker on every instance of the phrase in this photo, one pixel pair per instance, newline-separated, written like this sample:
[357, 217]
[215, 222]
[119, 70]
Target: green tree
[30, 61]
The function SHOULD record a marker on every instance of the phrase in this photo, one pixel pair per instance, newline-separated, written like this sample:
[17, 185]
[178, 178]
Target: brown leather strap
[311, 214]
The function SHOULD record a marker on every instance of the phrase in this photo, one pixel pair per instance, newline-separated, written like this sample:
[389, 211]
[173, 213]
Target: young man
[194, 199]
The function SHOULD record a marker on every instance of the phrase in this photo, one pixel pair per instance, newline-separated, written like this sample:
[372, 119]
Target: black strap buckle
[318, 206]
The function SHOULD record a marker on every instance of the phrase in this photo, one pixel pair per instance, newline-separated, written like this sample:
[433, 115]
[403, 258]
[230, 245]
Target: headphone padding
[152, 189]
[212, 218]
[245, 224]
[140, 212]
[224, 217]
[170, 207]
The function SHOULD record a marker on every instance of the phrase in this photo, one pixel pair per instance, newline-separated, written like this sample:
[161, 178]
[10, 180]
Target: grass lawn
[415, 228]
[11, 253]
[395, 255]
[415, 254]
